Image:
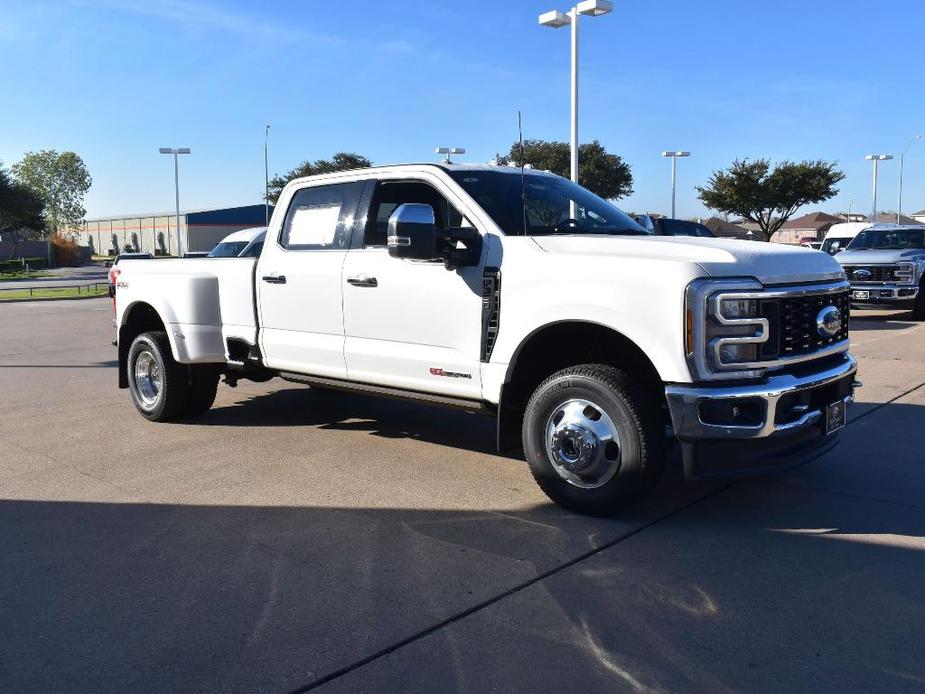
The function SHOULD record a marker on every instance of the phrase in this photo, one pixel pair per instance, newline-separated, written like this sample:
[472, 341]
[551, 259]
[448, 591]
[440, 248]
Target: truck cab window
[320, 217]
[389, 195]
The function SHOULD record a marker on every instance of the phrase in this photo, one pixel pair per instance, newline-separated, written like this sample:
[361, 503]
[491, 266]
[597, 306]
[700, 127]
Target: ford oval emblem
[862, 275]
[828, 322]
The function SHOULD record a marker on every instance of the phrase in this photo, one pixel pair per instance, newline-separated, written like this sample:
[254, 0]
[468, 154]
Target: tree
[341, 161]
[61, 180]
[750, 189]
[20, 210]
[602, 173]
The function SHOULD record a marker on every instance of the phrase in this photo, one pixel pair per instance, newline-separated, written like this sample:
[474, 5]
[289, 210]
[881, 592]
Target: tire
[159, 385]
[918, 312]
[570, 458]
[203, 385]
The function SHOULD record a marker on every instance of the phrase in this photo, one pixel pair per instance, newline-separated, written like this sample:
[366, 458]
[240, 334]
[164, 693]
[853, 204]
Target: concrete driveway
[297, 540]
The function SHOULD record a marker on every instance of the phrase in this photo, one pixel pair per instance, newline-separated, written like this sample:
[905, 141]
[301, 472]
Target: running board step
[387, 392]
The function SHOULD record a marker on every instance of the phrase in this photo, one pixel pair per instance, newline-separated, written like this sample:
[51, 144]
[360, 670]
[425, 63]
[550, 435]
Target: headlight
[738, 308]
[725, 328]
[905, 273]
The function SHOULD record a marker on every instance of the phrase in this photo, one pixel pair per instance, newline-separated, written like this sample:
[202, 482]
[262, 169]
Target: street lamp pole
[902, 161]
[876, 159]
[176, 151]
[266, 175]
[674, 158]
[556, 19]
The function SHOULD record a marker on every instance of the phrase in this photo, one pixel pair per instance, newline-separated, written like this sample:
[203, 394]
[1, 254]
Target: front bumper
[746, 429]
[884, 295]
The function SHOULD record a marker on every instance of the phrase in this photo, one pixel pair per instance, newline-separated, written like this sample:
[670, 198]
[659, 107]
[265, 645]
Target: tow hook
[231, 381]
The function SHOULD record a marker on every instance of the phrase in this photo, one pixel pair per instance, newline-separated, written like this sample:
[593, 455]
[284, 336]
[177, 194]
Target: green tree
[602, 173]
[61, 180]
[341, 161]
[766, 197]
[21, 210]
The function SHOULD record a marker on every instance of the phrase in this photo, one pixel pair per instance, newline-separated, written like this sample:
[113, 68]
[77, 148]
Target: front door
[299, 281]
[411, 324]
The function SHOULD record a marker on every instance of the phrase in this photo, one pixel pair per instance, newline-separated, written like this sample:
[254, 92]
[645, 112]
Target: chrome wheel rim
[583, 444]
[147, 379]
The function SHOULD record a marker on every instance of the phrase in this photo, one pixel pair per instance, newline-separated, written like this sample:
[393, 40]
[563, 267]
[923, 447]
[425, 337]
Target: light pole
[674, 159]
[175, 151]
[876, 159]
[266, 176]
[902, 161]
[556, 19]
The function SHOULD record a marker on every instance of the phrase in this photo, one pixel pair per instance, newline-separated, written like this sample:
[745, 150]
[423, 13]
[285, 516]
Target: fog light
[907, 292]
[737, 353]
[738, 308]
[746, 412]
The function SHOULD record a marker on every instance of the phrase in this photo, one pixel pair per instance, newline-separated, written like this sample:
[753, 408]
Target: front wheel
[594, 439]
[159, 385]
[918, 313]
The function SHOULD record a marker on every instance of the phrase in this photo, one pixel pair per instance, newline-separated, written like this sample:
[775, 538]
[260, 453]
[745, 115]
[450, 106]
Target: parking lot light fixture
[176, 151]
[902, 161]
[449, 151]
[876, 159]
[556, 19]
[674, 158]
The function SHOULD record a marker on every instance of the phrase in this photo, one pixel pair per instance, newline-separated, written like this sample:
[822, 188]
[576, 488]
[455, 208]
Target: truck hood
[879, 257]
[769, 263]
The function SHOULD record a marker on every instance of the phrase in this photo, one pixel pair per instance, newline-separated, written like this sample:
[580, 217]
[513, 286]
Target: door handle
[274, 279]
[363, 281]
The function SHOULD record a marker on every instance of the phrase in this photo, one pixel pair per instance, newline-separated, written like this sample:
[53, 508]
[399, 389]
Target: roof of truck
[425, 165]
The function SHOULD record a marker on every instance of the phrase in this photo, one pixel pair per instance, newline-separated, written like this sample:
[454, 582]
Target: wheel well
[556, 347]
[140, 318]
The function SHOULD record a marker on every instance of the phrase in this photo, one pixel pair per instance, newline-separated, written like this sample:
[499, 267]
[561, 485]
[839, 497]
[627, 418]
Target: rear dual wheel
[164, 390]
[594, 439]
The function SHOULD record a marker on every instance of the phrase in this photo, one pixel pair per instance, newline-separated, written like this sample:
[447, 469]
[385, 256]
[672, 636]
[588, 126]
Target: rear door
[299, 280]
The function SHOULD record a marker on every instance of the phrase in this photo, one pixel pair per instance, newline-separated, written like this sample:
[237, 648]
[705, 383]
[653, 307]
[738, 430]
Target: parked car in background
[662, 226]
[810, 242]
[114, 270]
[196, 254]
[839, 236]
[253, 249]
[232, 245]
[520, 295]
[885, 264]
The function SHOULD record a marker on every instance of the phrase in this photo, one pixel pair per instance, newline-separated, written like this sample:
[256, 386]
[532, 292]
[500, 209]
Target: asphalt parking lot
[296, 540]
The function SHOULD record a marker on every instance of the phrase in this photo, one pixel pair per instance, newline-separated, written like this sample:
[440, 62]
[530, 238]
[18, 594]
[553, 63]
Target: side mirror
[413, 232]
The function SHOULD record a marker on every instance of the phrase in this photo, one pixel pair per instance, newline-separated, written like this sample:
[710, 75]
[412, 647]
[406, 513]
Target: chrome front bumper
[687, 404]
[885, 295]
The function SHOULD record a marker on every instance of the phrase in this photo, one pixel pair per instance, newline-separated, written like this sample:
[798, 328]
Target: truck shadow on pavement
[327, 409]
[763, 587]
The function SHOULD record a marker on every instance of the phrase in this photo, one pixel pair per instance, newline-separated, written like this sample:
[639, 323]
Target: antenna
[523, 182]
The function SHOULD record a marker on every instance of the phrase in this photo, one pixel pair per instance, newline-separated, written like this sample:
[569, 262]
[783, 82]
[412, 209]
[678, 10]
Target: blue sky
[115, 79]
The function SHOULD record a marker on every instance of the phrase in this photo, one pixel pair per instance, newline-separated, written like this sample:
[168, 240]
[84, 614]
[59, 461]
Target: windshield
[888, 239]
[228, 249]
[549, 200]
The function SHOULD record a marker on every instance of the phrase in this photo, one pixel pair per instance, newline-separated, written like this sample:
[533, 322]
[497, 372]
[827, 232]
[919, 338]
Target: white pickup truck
[521, 295]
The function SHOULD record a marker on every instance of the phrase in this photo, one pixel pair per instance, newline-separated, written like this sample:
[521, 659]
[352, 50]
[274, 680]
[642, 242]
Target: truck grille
[793, 330]
[871, 274]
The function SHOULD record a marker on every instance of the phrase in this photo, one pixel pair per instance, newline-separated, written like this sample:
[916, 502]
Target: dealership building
[156, 233]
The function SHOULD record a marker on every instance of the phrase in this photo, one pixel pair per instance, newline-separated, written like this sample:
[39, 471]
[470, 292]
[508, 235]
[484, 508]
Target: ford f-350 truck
[519, 294]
